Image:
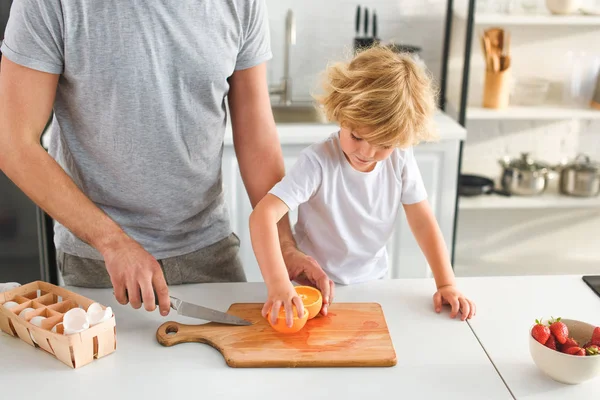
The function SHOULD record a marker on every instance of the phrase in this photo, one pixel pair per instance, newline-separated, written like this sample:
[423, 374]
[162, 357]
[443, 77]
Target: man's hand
[133, 269]
[306, 271]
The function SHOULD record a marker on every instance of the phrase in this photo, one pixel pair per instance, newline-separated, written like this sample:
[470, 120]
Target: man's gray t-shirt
[140, 116]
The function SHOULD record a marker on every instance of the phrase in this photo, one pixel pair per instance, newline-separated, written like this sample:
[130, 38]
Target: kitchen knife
[366, 22]
[195, 311]
[374, 24]
[358, 20]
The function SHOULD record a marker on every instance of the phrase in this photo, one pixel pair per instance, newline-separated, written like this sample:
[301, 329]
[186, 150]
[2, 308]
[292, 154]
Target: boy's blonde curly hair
[383, 90]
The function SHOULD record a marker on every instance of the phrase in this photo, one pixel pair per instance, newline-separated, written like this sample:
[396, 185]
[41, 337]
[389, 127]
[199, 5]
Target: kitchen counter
[438, 357]
[508, 306]
[305, 133]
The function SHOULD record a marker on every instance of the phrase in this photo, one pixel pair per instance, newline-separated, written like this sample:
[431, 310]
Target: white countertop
[304, 134]
[506, 309]
[438, 357]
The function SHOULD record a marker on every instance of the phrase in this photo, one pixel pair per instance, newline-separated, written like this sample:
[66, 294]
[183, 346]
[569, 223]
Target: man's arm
[26, 100]
[256, 141]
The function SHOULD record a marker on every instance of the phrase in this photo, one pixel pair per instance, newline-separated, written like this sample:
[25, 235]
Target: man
[133, 174]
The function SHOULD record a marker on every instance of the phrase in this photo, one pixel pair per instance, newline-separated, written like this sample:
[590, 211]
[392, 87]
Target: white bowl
[566, 368]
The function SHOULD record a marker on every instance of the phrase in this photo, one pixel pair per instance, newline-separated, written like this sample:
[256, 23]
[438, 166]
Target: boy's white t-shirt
[345, 216]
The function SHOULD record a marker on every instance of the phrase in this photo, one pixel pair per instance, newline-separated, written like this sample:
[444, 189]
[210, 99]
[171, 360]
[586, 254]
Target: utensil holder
[496, 89]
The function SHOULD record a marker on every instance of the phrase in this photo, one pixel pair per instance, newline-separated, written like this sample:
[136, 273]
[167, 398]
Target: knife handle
[357, 20]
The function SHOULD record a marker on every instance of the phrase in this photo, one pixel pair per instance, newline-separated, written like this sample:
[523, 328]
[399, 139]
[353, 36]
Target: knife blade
[195, 311]
[357, 20]
[186, 309]
[374, 24]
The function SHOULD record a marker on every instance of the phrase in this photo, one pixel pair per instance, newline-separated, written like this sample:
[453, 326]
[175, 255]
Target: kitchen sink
[297, 114]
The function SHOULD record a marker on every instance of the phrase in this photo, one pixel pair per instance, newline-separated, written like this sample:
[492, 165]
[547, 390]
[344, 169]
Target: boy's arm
[426, 231]
[265, 241]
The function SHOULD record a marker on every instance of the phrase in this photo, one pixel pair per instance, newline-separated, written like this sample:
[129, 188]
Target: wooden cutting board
[351, 335]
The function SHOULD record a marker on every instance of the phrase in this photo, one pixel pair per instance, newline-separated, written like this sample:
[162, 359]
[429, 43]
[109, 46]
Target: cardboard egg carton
[52, 302]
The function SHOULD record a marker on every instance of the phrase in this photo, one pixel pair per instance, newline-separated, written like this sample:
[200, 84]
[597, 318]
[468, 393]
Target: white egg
[10, 304]
[23, 313]
[37, 321]
[75, 320]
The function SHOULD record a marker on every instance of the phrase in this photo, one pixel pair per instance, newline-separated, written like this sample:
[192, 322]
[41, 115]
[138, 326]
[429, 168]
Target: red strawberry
[596, 336]
[592, 350]
[559, 330]
[570, 342]
[551, 343]
[575, 351]
[540, 332]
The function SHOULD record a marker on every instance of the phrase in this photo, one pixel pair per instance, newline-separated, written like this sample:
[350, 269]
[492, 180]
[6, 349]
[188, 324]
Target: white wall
[326, 28]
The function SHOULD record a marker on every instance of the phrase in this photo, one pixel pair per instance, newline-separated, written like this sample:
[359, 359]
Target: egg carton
[52, 302]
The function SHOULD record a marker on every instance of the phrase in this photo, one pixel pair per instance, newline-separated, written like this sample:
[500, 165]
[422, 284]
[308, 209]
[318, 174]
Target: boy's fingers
[275, 311]
[437, 302]
[289, 313]
[465, 308]
[299, 306]
[455, 307]
[266, 308]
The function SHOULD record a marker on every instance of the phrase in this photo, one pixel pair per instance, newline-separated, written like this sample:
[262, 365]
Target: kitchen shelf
[549, 112]
[531, 19]
[548, 200]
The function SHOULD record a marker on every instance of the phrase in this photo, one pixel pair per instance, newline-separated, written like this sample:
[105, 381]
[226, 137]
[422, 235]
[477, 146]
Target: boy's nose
[367, 151]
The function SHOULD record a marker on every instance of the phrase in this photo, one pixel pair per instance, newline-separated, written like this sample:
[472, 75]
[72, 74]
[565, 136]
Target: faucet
[284, 88]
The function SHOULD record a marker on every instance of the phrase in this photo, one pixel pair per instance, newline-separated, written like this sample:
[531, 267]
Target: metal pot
[580, 178]
[524, 176]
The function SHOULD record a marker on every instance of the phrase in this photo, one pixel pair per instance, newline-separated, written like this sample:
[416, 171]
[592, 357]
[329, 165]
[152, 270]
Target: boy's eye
[354, 137]
[386, 147]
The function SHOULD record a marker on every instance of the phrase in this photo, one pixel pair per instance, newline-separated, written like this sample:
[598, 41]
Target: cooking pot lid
[583, 163]
[525, 163]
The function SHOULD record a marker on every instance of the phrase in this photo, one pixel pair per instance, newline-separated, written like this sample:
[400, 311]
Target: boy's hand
[283, 294]
[306, 271]
[449, 294]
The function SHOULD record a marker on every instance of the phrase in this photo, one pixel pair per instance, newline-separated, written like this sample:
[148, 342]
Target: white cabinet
[438, 163]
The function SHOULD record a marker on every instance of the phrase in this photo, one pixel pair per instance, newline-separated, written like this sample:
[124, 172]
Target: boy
[348, 188]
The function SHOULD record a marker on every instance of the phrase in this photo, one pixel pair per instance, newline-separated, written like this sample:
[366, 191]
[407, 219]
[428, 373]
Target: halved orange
[311, 299]
[280, 326]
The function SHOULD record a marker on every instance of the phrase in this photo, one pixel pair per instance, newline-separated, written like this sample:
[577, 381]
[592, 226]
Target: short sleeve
[300, 183]
[256, 42]
[34, 35]
[413, 188]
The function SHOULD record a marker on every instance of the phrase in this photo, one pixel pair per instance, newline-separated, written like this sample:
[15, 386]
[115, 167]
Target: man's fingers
[147, 294]
[331, 291]
[161, 291]
[133, 294]
[119, 291]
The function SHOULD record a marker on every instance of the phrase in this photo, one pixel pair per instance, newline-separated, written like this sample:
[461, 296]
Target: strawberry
[540, 332]
[559, 330]
[596, 336]
[592, 350]
[575, 351]
[570, 342]
[551, 343]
